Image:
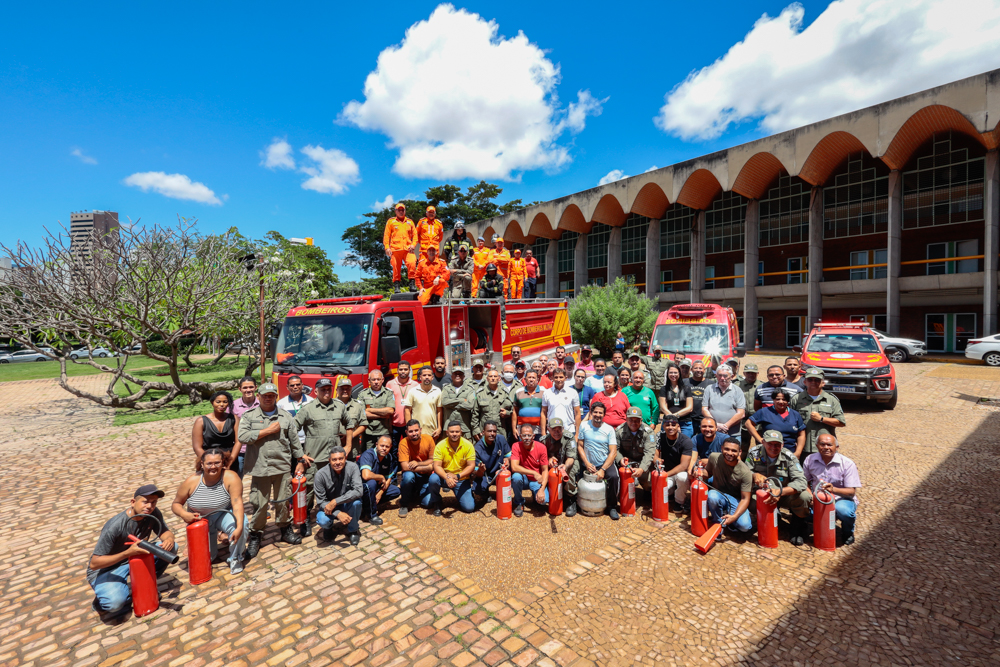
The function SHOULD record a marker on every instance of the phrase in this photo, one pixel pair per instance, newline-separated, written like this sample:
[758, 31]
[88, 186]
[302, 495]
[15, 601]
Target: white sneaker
[236, 567]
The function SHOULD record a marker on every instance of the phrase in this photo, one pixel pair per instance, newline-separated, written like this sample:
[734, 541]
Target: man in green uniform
[561, 449]
[772, 460]
[461, 268]
[748, 384]
[478, 379]
[380, 406]
[492, 403]
[352, 419]
[272, 439]
[321, 422]
[642, 397]
[492, 286]
[821, 411]
[458, 399]
[637, 443]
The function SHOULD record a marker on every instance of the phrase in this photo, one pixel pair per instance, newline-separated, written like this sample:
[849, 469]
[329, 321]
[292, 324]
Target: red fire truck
[353, 335]
[702, 331]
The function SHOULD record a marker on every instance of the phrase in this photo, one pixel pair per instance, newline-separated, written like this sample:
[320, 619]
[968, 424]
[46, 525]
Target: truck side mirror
[276, 328]
[741, 351]
[272, 344]
[389, 326]
[389, 349]
[796, 348]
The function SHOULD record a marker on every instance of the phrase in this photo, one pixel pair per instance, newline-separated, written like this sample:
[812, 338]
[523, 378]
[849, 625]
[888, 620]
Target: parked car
[4, 358]
[899, 350]
[98, 352]
[853, 361]
[987, 349]
[31, 355]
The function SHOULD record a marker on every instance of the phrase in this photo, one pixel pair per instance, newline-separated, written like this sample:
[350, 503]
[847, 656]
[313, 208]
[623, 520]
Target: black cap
[148, 490]
[324, 382]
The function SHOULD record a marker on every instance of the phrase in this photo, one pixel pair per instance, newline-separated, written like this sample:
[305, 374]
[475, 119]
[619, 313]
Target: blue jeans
[687, 428]
[846, 513]
[517, 483]
[415, 484]
[239, 460]
[226, 522]
[370, 492]
[353, 508]
[720, 504]
[112, 589]
[462, 491]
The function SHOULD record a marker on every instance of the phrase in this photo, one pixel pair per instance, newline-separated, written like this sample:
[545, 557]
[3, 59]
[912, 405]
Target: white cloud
[175, 186]
[612, 176]
[86, 159]
[332, 170]
[460, 101]
[653, 168]
[855, 54]
[278, 155]
[385, 203]
[342, 258]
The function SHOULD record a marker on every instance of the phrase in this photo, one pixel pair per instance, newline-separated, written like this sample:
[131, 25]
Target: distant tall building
[84, 224]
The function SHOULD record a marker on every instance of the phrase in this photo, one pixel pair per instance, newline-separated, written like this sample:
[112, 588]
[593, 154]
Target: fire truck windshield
[699, 338]
[843, 343]
[327, 340]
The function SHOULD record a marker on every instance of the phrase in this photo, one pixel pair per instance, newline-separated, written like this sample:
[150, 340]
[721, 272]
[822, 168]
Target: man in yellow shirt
[481, 257]
[399, 241]
[429, 232]
[454, 463]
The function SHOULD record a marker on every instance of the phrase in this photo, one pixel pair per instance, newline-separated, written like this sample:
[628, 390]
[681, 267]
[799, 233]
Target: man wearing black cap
[107, 570]
[674, 454]
[272, 439]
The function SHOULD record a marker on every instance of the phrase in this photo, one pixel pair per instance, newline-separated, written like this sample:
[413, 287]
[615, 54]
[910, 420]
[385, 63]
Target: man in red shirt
[531, 275]
[529, 461]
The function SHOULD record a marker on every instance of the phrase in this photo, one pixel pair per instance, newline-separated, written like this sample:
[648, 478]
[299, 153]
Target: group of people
[469, 269]
[419, 439]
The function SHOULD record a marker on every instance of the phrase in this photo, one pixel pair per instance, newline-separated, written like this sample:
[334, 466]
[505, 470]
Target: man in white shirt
[297, 398]
[424, 404]
[562, 402]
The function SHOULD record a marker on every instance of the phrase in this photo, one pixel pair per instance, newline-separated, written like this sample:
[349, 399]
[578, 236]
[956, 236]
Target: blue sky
[98, 100]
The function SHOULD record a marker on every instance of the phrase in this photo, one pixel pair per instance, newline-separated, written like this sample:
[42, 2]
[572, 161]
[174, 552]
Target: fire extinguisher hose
[818, 488]
[164, 555]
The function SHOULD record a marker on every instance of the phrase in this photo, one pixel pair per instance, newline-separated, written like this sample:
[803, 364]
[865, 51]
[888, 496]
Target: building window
[874, 321]
[784, 213]
[675, 232]
[666, 277]
[597, 246]
[599, 281]
[567, 251]
[565, 288]
[760, 331]
[709, 275]
[739, 269]
[863, 259]
[949, 332]
[953, 249]
[538, 250]
[946, 188]
[634, 239]
[725, 221]
[794, 326]
[857, 202]
[797, 264]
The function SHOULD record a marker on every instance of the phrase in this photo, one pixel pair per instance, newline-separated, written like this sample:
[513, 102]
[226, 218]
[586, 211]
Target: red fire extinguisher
[556, 479]
[142, 576]
[824, 519]
[699, 503]
[300, 513]
[626, 490]
[767, 514]
[199, 552]
[504, 493]
[661, 504]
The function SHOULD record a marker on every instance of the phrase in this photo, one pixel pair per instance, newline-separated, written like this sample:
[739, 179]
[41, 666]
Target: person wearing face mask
[778, 417]
[772, 460]
[729, 497]
[492, 404]
[512, 381]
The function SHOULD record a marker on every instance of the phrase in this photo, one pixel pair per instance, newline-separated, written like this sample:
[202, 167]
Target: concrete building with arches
[889, 214]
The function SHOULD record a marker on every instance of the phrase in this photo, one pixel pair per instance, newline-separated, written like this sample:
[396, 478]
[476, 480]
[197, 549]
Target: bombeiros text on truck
[704, 332]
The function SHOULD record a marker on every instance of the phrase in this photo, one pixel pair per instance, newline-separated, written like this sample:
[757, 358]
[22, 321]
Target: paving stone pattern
[918, 587]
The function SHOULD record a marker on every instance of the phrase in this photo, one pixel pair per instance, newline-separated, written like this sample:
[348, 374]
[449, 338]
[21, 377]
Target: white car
[4, 358]
[987, 349]
[83, 353]
[31, 355]
[900, 349]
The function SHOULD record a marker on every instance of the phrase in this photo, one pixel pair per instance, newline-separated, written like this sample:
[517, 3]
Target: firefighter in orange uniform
[481, 256]
[501, 257]
[432, 277]
[429, 233]
[400, 240]
[517, 273]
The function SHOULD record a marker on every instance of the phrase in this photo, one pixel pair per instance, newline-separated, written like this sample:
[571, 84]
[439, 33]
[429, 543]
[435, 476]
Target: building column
[991, 249]
[580, 264]
[697, 257]
[614, 254]
[895, 252]
[552, 270]
[653, 259]
[815, 305]
[751, 255]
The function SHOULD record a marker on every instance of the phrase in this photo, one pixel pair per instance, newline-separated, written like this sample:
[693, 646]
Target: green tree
[312, 260]
[600, 312]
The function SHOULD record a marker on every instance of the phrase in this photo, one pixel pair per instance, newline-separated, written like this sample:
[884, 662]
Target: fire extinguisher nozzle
[168, 557]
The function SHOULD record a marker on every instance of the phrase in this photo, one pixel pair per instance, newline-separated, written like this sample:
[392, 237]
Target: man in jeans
[416, 461]
[400, 387]
[338, 495]
[529, 461]
[454, 464]
[107, 570]
[731, 479]
[840, 477]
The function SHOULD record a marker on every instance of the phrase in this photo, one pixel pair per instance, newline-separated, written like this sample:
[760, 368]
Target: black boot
[435, 300]
[395, 286]
[571, 510]
[798, 528]
[253, 544]
[306, 529]
[413, 286]
[288, 535]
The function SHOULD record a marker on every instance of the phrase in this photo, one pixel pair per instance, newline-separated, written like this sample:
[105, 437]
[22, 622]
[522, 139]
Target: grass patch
[49, 370]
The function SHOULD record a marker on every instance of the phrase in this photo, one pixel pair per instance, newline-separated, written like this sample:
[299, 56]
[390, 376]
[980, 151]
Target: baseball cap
[586, 348]
[148, 490]
[478, 361]
[344, 382]
[773, 436]
[671, 419]
[734, 362]
[458, 369]
[555, 422]
[815, 373]
[684, 362]
[462, 248]
[634, 412]
[657, 348]
[324, 382]
[267, 388]
[751, 368]
[634, 355]
[520, 364]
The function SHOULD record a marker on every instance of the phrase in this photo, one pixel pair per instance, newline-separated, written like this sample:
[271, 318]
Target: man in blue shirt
[378, 469]
[492, 451]
[597, 446]
[709, 441]
[596, 381]
[584, 390]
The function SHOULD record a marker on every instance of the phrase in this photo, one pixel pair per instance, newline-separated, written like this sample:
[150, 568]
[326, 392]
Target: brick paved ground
[919, 586]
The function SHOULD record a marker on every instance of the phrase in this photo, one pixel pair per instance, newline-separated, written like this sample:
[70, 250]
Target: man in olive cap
[772, 459]
[748, 384]
[820, 410]
[478, 379]
[457, 400]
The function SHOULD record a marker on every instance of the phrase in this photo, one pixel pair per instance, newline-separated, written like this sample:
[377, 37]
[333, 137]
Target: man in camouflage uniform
[380, 406]
[353, 420]
[561, 449]
[492, 403]
[478, 379]
[637, 443]
[821, 411]
[458, 400]
[772, 460]
[748, 384]
[493, 286]
[272, 439]
[461, 267]
[656, 367]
